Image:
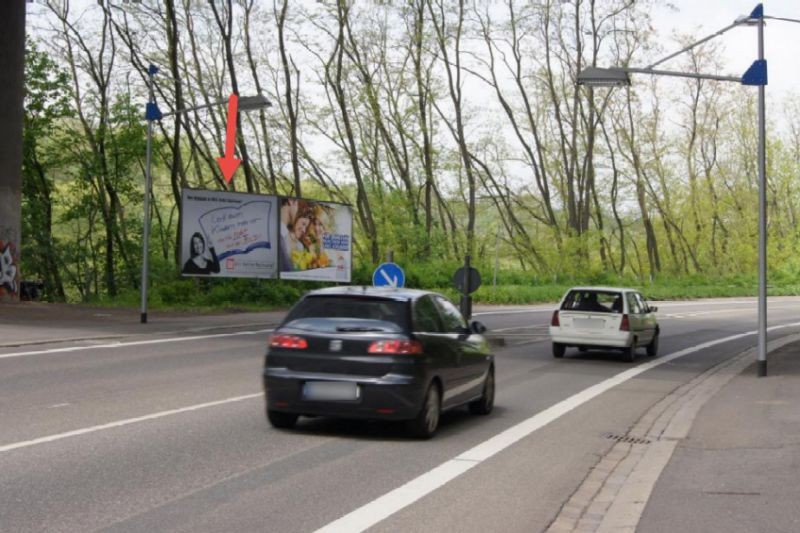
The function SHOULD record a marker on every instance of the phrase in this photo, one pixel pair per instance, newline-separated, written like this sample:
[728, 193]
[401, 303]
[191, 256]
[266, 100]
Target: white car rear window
[593, 301]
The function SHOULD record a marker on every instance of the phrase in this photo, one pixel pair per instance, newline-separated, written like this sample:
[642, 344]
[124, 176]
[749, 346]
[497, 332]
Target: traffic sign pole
[466, 299]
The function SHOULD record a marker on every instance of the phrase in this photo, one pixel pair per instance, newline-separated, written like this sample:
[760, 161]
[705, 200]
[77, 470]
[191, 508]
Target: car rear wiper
[357, 328]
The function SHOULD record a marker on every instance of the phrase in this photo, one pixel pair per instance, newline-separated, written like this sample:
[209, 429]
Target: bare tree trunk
[289, 97]
[98, 65]
[265, 132]
[334, 77]
[176, 177]
[226, 32]
[653, 258]
[422, 79]
[398, 154]
[452, 67]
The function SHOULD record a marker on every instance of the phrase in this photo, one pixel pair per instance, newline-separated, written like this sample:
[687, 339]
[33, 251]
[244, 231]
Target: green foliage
[46, 107]
[82, 187]
[514, 287]
[215, 294]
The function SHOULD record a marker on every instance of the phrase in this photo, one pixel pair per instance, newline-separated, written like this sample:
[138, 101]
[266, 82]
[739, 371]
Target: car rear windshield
[354, 310]
[594, 301]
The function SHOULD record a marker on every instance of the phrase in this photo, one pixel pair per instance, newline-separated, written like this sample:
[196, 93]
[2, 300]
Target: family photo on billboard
[315, 240]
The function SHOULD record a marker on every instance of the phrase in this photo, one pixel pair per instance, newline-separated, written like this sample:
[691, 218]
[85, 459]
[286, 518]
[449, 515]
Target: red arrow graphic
[228, 163]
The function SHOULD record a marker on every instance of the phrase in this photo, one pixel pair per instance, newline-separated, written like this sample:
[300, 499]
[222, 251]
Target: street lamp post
[758, 14]
[755, 75]
[152, 113]
[756, 18]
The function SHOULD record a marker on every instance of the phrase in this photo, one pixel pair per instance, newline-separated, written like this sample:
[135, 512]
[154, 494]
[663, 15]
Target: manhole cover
[628, 439]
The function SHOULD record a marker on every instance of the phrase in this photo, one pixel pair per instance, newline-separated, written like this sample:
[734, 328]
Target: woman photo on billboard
[202, 260]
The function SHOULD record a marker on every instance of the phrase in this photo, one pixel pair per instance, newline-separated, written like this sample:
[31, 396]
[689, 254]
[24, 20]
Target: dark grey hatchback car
[377, 353]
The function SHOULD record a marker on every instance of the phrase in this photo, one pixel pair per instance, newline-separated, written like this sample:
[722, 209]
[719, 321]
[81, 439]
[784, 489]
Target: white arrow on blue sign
[388, 275]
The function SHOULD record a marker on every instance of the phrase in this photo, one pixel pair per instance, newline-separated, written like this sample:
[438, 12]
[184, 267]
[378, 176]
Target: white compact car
[603, 318]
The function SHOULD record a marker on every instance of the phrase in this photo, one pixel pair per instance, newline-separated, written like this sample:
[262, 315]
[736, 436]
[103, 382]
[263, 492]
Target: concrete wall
[12, 61]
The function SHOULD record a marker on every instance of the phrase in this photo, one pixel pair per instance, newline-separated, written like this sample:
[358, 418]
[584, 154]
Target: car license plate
[330, 390]
[589, 323]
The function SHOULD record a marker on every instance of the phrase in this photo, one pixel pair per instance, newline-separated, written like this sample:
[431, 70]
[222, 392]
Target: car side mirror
[653, 309]
[477, 327]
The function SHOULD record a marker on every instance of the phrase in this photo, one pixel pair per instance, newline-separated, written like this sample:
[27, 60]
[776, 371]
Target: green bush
[514, 287]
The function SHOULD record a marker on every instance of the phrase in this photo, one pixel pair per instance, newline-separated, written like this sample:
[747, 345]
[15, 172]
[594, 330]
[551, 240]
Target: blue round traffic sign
[388, 275]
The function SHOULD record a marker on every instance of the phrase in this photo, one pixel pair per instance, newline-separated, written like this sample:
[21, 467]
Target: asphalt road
[167, 432]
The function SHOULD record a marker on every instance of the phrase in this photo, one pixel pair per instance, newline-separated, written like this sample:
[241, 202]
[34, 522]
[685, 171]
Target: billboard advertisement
[229, 234]
[315, 240]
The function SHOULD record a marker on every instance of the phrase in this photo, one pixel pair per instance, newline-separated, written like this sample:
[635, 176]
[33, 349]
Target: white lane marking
[516, 312]
[508, 335]
[532, 326]
[700, 313]
[773, 302]
[549, 308]
[132, 343]
[58, 405]
[125, 422]
[383, 507]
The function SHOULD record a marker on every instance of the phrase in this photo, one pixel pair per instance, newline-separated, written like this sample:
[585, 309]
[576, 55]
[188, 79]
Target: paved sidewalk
[21, 323]
[718, 454]
[739, 468]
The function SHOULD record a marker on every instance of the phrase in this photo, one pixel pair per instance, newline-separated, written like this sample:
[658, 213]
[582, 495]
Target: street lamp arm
[782, 18]
[699, 76]
[246, 103]
[693, 45]
[194, 108]
[618, 76]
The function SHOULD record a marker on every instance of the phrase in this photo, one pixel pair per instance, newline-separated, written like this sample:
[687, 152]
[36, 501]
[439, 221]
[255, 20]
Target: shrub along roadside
[513, 288]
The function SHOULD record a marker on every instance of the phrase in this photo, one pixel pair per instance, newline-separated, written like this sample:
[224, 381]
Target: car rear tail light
[625, 324]
[554, 321]
[288, 341]
[395, 347]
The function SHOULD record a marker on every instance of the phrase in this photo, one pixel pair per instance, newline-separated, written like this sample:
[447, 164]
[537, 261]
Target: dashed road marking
[125, 422]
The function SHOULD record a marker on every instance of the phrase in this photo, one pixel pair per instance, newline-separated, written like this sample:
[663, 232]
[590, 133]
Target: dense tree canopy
[450, 126]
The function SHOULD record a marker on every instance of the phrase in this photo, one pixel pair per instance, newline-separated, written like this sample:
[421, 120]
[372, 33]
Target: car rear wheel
[629, 353]
[652, 348]
[427, 421]
[558, 350]
[484, 404]
[281, 420]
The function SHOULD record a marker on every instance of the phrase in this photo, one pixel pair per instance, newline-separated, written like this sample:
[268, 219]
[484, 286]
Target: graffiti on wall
[9, 273]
